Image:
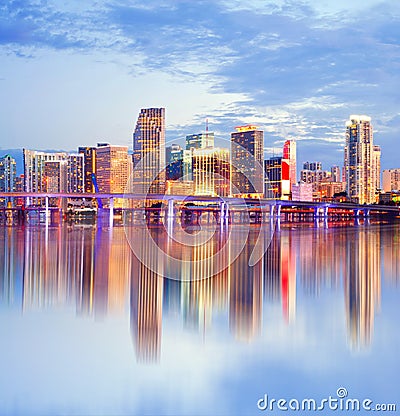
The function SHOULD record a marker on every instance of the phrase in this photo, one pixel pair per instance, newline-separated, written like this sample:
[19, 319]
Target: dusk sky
[77, 72]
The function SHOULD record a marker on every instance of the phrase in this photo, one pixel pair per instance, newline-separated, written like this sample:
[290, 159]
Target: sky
[75, 73]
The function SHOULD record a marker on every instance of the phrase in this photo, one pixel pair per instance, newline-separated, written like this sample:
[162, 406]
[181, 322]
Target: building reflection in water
[362, 284]
[146, 295]
[90, 269]
[280, 274]
[245, 293]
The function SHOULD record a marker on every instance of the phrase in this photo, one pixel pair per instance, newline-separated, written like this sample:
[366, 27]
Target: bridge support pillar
[47, 211]
[170, 211]
[111, 221]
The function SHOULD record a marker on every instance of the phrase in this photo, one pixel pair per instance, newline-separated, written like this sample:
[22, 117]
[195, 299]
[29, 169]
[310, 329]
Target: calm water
[88, 329]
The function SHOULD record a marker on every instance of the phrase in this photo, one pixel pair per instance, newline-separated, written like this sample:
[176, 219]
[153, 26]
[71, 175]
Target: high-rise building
[8, 174]
[76, 173]
[289, 153]
[174, 158]
[149, 151]
[335, 174]
[376, 167]
[391, 180]
[89, 156]
[302, 192]
[34, 171]
[113, 168]
[55, 172]
[277, 184]
[200, 141]
[312, 166]
[247, 156]
[211, 171]
[361, 160]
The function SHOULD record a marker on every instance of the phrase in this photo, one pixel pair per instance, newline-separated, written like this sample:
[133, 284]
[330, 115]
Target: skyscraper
[8, 174]
[112, 167]
[76, 173]
[277, 184]
[289, 153]
[376, 168]
[89, 156]
[247, 155]
[211, 171]
[199, 141]
[361, 160]
[174, 157]
[34, 171]
[149, 151]
[55, 172]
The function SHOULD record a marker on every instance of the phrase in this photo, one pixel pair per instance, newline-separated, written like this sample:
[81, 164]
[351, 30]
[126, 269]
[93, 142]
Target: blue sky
[73, 73]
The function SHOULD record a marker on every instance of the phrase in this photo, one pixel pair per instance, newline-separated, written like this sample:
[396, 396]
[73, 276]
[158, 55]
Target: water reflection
[94, 271]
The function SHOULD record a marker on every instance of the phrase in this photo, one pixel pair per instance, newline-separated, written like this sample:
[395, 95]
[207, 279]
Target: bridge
[223, 208]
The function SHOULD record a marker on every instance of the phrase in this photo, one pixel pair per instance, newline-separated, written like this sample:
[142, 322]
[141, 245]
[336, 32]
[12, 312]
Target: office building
[89, 161]
[312, 166]
[200, 141]
[34, 171]
[391, 180]
[376, 168]
[289, 153]
[149, 152]
[112, 167]
[277, 183]
[362, 160]
[174, 158]
[335, 174]
[211, 171]
[302, 192]
[247, 156]
[76, 173]
[55, 172]
[8, 175]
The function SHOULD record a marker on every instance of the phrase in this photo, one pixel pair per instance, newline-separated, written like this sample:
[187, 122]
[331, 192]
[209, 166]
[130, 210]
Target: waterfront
[88, 329]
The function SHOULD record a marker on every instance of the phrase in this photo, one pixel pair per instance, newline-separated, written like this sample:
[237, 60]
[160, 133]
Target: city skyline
[93, 68]
[159, 168]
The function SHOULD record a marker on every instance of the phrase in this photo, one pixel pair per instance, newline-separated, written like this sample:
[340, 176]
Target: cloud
[297, 68]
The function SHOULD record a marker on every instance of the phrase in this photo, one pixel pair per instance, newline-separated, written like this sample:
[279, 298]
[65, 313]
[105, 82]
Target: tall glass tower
[247, 156]
[149, 152]
[8, 174]
[360, 160]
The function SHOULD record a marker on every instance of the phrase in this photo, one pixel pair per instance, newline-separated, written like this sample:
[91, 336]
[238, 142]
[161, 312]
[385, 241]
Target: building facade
[391, 180]
[113, 168]
[76, 173]
[289, 153]
[361, 160]
[199, 141]
[277, 183]
[89, 161]
[247, 161]
[8, 176]
[211, 171]
[149, 152]
[34, 171]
